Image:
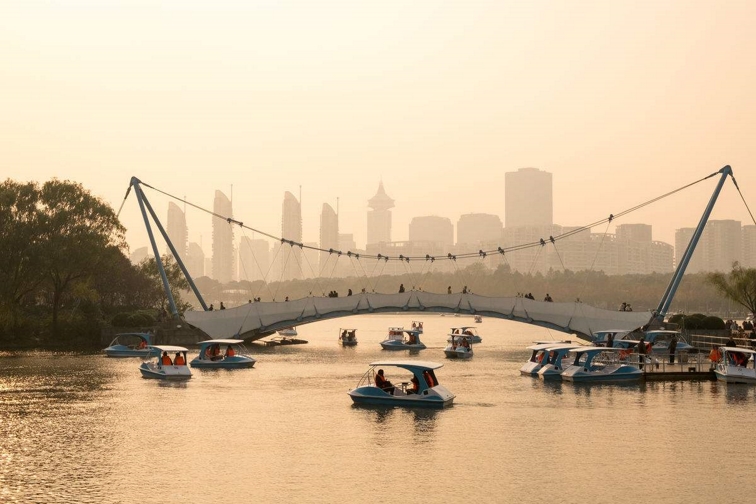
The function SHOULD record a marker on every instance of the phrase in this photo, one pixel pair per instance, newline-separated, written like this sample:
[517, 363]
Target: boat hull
[549, 372]
[735, 374]
[456, 354]
[609, 374]
[437, 397]
[530, 368]
[394, 345]
[236, 362]
[150, 370]
[130, 352]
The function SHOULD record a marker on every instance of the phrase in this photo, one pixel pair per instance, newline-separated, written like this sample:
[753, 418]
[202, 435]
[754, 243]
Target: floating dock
[689, 368]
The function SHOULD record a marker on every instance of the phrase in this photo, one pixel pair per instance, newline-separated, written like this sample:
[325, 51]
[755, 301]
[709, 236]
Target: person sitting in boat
[382, 383]
[166, 360]
[415, 387]
[178, 360]
[230, 352]
[466, 344]
[412, 338]
[344, 334]
[429, 379]
[350, 337]
[142, 345]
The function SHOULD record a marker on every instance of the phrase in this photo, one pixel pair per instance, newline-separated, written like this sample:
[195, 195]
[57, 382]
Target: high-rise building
[177, 231]
[329, 239]
[379, 217]
[138, 255]
[347, 243]
[749, 246]
[254, 260]
[475, 230]
[223, 240]
[432, 229]
[291, 229]
[634, 232]
[195, 260]
[719, 247]
[528, 199]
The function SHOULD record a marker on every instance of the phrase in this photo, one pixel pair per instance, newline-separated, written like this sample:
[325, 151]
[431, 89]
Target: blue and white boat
[599, 365]
[400, 338]
[600, 338]
[169, 365]
[348, 337]
[660, 342]
[470, 331]
[223, 354]
[460, 347]
[542, 355]
[733, 365]
[134, 344]
[418, 388]
[553, 367]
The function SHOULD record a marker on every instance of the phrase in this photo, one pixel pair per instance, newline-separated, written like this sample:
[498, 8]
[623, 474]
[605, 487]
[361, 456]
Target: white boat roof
[221, 342]
[170, 348]
[595, 349]
[544, 346]
[738, 349]
[566, 346]
[662, 331]
[465, 327]
[408, 364]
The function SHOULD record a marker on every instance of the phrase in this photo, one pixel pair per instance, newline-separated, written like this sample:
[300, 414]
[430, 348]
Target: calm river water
[85, 428]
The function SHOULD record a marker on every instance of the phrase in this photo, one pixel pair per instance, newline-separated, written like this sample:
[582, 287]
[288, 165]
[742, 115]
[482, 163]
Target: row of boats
[610, 360]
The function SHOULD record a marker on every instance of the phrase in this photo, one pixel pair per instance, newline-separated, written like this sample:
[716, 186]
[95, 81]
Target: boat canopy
[170, 348]
[585, 349]
[408, 364]
[565, 346]
[738, 349]
[544, 346]
[220, 342]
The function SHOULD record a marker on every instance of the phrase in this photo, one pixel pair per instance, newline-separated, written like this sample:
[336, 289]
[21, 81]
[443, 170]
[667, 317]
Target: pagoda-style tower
[379, 217]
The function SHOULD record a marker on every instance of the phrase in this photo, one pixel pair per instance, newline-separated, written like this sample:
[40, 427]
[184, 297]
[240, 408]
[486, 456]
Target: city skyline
[619, 102]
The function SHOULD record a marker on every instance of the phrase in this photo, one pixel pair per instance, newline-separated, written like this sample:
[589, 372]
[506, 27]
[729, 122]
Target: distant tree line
[695, 294]
[64, 273]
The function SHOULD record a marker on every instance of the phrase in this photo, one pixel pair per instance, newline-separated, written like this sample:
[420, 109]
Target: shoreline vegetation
[66, 280]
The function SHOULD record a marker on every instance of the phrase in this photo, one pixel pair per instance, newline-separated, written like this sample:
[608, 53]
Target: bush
[714, 323]
[141, 318]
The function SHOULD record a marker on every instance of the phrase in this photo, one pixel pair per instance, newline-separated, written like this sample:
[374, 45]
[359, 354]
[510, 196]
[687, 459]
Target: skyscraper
[720, 245]
[254, 259]
[749, 246]
[291, 229]
[195, 260]
[379, 217]
[329, 239]
[528, 199]
[476, 229]
[432, 229]
[177, 231]
[223, 240]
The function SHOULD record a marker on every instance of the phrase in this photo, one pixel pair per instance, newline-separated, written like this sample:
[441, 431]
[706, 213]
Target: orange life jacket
[179, 361]
[166, 360]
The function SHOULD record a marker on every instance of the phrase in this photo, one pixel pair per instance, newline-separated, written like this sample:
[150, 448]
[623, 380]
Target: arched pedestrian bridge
[255, 320]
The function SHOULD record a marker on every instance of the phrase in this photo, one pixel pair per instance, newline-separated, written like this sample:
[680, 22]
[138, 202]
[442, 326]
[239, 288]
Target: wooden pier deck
[693, 368]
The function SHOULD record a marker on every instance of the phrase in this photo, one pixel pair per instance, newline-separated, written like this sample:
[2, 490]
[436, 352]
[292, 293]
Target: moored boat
[541, 355]
[400, 338]
[460, 347]
[134, 344]
[478, 319]
[417, 325]
[553, 367]
[223, 354]
[166, 367]
[288, 332]
[421, 389]
[470, 331]
[599, 365]
[348, 337]
[733, 367]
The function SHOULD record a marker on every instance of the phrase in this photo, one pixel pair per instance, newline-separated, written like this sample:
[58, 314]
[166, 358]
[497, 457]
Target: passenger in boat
[466, 344]
[230, 352]
[142, 345]
[178, 360]
[166, 360]
[412, 338]
[415, 387]
[344, 334]
[610, 340]
[351, 336]
[382, 383]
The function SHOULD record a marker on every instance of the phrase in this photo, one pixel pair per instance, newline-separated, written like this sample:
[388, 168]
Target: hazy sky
[620, 100]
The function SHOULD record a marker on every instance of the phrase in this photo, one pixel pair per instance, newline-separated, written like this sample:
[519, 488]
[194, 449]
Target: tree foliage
[739, 285]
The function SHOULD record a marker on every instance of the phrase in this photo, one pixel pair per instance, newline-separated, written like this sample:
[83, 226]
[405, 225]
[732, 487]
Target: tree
[155, 294]
[21, 247]
[78, 228]
[738, 285]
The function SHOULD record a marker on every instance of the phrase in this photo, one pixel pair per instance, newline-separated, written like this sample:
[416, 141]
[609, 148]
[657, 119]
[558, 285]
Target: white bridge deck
[255, 320]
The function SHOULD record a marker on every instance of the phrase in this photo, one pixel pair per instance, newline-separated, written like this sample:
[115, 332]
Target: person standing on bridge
[448, 290]
[401, 288]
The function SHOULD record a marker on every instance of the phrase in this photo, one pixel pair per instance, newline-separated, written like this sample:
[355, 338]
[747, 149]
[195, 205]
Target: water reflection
[422, 421]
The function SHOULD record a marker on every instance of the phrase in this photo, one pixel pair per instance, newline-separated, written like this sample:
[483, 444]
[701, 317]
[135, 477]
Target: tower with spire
[379, 217]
